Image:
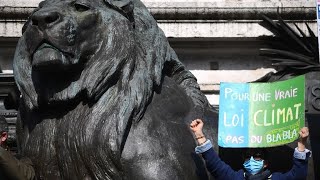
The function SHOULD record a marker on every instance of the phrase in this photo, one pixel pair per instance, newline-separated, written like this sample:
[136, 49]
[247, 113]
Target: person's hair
[3, 125]
[255, 152]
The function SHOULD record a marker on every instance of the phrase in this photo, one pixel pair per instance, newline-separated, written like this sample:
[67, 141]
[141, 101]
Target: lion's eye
[81, 7]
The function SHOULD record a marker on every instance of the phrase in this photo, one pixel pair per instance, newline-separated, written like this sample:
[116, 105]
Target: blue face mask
[253, 166]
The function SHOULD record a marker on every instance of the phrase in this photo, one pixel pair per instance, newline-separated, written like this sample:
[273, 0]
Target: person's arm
[299, 169]
[14, 168]
[214, 164]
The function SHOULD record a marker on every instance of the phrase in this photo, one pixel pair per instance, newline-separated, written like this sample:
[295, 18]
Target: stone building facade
[215, 39]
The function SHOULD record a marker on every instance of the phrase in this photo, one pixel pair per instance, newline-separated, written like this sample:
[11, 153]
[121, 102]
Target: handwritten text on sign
[260, 114]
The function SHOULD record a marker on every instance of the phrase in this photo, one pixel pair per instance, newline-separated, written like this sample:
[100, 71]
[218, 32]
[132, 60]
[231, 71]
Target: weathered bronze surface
[104, 96]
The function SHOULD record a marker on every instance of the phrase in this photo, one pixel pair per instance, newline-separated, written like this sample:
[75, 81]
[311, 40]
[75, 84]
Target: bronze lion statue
[104, 96]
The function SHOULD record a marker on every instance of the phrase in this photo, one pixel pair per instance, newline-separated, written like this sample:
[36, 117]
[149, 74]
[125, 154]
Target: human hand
[304, 133]
[196, 126]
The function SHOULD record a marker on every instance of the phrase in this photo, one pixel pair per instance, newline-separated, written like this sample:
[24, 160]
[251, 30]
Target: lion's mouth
[49, 58]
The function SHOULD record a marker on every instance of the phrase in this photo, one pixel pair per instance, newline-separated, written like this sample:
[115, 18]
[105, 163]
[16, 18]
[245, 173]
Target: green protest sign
[261, 114]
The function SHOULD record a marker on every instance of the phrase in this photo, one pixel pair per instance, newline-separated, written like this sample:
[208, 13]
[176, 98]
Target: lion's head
[69, 47]
[106, 58]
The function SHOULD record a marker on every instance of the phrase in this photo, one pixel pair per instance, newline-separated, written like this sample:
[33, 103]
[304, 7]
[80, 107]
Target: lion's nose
[43, 19]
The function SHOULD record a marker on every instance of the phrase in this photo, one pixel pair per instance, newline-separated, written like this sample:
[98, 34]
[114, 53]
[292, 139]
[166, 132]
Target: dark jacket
[13, 169]
[221, 170]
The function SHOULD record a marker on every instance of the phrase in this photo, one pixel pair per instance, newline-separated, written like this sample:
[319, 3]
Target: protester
[10, 167]
[4, 129]
[255, 167]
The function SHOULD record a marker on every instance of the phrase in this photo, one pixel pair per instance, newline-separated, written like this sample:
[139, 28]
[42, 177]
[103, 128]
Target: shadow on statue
[104, 96]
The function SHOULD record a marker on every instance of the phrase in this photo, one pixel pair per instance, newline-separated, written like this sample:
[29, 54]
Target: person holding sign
[254, 166]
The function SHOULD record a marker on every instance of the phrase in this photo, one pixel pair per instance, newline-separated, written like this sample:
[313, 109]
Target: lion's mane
[100, 107]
